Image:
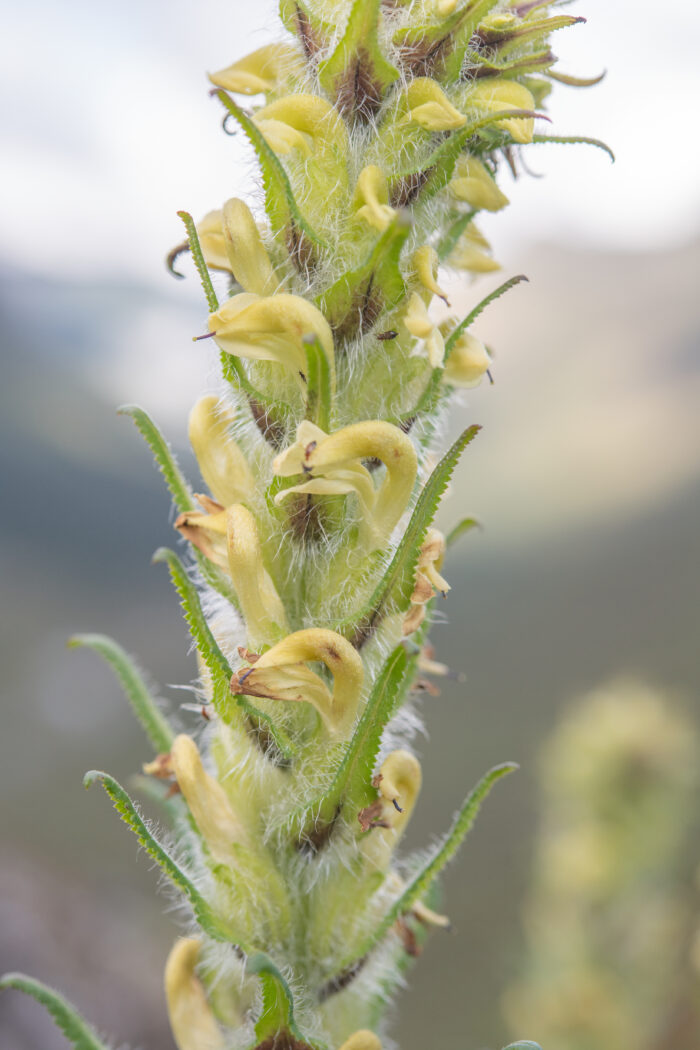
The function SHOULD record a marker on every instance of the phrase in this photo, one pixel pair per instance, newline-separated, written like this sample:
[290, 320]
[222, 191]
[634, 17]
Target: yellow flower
[270, 328]
[210, 232]
[496, 95]
[430, 108]
[470, 252]
[229, 538]
[207, 801]
[362, 1040]
[371, 198]
[418, 322]
[191, 1018]
[248, 259]
[468, 362]
[259, 71]
[474, 185]
[281, 674]
[337, 459]
[221, 462]
[425, 263]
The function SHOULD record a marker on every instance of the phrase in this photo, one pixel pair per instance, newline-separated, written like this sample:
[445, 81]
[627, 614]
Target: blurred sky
[109, 130]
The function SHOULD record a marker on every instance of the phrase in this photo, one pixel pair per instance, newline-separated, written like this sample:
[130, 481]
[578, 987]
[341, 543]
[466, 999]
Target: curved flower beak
[430, 108]
[337, 458]
[262, 607]
[280, 674]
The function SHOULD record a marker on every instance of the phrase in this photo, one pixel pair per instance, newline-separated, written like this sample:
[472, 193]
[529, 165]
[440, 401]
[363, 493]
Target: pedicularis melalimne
[312, 562]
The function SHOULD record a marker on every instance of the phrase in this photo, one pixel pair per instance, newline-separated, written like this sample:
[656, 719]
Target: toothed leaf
[198, 256]
[433, 390]
[164, 456]
[215, 661]
[448, 243]
[421, 882]
[77, 1031]
[352, 780]
[280, 203]
[357, 75]
[567, 140]
[211, 924]
[132, 682]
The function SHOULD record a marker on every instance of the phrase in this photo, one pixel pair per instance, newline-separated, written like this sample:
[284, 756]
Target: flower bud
[221, 462]
[280, 674]
[371, 198]
[259, 71]
[191, 1018]
[207, 801]
[474, 184]
[468, 362]
[248, 259]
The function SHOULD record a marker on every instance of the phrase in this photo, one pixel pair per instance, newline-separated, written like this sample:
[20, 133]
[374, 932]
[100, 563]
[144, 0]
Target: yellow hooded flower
[497, 95]
[468, 362]
[471, 252]
[257, 72]
[191, 1018]
[362, 1040]
[430, 108]
[337, 459]
[473, 184]
[210, 232]
[270, 328]
[207, 801]
[221, 462]
[371, 199]
[419, 323]
[281, 674]
[248, 259]
[425, 263]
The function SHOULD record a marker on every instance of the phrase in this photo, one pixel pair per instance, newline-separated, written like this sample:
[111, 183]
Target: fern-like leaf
[163, 455]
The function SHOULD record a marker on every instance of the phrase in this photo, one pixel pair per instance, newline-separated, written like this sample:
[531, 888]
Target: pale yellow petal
[191, 1018]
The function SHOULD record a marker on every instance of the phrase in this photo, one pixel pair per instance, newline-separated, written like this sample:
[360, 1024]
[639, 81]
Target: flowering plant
[313, 562]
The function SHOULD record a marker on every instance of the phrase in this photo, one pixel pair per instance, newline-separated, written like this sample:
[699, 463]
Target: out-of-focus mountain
[587, 479]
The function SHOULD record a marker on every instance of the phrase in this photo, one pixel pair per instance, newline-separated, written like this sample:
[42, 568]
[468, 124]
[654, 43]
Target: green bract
[380, 128]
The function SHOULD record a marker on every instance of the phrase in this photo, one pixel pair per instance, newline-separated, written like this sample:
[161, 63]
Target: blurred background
[585, 578]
